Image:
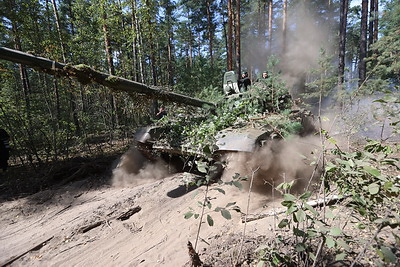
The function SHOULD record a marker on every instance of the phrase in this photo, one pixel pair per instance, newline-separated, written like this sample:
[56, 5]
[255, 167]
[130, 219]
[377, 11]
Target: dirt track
[83, 225]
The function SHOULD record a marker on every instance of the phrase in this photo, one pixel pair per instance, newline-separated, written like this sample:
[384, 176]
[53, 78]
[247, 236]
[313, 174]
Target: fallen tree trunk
[86, 74]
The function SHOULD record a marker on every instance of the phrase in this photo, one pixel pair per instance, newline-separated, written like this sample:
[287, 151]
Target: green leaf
[289, 197]
[330, 243]
[300, 247]
[210, 221]
[298, 232]
[305, 195]
[219, 190]
[388, 255]
[361, 226]
[300, 216]
[230, 204]
[373, 188]
[291, 209]
[372, 171]
[387, 185]
[329, 214]
[236, 208]
[201, 166]
[343, 244]
[330, 167]
[312, 233]
[207, 150]
[200, 182]
[188, 214]
[285, 186]
[287, 203]
[238, 184]
[312, 256]
[340, 257]
[236, 176]
[283, 223]
[335, 231]
[310, 208]
[397, 238]
[379, 101]
[226, 214]
[332, 141]
[325, 118]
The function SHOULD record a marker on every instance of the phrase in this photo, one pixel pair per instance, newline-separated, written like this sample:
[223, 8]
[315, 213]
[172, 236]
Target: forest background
[182, 46]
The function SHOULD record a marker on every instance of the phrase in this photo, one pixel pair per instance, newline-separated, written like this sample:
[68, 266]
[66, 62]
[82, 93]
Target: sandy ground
[126, 219]
[48, 228]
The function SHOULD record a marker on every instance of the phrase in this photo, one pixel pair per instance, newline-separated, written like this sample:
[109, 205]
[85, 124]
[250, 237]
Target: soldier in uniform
[263, 77]
[244, 82]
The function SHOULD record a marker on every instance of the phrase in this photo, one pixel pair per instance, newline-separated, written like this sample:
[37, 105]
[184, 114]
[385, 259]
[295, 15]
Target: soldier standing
[244, 82]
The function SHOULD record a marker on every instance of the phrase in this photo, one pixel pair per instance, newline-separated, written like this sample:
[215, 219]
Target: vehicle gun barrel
[86, 74]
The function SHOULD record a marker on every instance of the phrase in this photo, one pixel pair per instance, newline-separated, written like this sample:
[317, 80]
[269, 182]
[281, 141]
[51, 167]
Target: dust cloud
[361, 120]
[134, 169]
[307, 33]
[279, 161]
[306, 37]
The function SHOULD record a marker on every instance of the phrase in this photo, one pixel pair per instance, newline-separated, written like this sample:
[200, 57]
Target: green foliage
[192, 80]
[359, 175]
[325, 80]
[385, 62]
[207, 202]
[366, 186]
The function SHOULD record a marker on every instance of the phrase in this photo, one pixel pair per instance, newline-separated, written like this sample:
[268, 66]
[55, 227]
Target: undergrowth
[355, 218]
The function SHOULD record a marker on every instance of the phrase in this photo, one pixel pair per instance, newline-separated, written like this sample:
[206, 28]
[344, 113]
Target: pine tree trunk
[137, 44]
[284, 27]
[64, 55]
[135, 47]
[153, 63]
[170, 61]
[111, 69]
[363, 43]
[376, 20]
[170, 46]
[56, 16]
[270, 25]
[344, 6]
[229, 36]
[190, 51]
[237, 37]
[210, 33]
[371, 22]
[55, 87]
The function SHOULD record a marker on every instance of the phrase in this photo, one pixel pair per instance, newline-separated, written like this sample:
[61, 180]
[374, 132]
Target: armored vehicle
[243, 122]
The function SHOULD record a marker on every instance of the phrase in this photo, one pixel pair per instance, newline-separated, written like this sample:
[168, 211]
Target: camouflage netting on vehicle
[262, 110]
